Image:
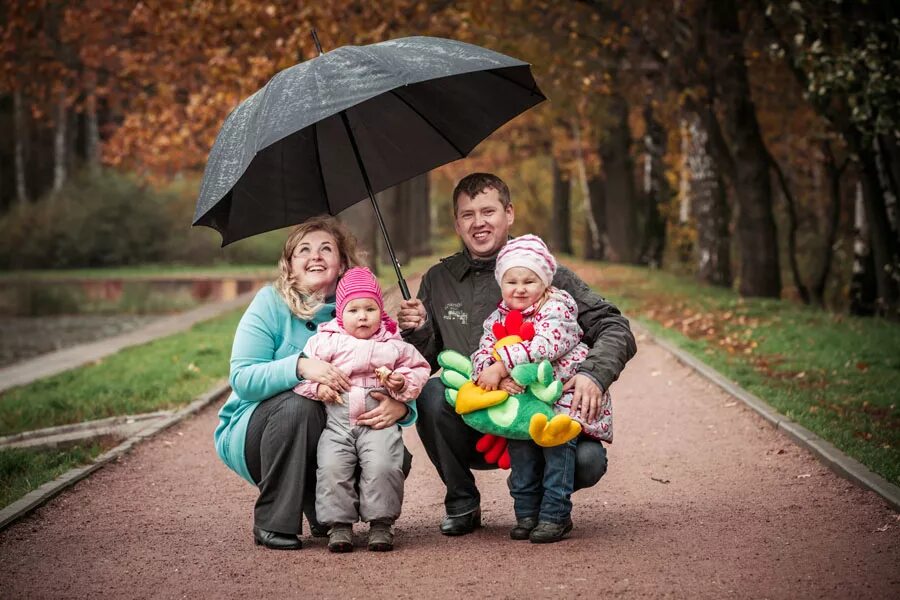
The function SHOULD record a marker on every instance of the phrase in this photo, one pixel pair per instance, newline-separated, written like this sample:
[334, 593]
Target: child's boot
[381, 537]
[547, 533]
[340, 538]
[523, 528]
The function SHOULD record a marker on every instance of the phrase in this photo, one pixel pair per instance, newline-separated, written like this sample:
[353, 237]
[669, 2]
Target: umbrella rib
[430, 124]
[315, 127]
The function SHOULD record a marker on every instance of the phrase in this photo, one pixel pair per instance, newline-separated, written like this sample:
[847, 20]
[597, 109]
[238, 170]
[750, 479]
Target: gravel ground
[26, 337]
[703, 499]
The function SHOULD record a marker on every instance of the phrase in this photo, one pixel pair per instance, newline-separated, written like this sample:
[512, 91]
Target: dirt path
[702, 500]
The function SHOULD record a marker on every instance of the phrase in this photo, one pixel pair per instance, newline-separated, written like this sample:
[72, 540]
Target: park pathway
[702, 499]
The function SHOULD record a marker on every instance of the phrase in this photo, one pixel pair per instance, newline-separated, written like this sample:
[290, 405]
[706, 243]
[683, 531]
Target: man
[454, 299]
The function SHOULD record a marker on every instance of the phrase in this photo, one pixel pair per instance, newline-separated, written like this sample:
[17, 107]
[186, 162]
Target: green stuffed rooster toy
[497, 414]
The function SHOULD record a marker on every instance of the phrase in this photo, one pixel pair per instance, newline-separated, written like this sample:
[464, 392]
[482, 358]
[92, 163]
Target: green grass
[139, 272]
[163, 374]
[836, 375]
[24, 470]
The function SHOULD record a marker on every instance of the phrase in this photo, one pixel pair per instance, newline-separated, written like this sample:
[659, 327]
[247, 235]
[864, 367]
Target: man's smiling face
[483, 223]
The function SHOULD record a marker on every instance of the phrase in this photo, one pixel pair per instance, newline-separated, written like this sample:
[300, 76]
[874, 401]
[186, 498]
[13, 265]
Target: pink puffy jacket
[358, 359]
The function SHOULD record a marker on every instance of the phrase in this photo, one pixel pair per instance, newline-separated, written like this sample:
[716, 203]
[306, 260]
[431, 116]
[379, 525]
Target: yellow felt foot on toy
[555, 432]
[471, 398]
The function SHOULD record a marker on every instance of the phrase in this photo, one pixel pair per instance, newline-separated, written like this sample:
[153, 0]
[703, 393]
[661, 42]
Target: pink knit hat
[527, 251]
[359, 282]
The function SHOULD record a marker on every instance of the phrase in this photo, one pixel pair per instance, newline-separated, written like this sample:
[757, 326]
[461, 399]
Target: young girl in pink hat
[363, 342]
[542, 479]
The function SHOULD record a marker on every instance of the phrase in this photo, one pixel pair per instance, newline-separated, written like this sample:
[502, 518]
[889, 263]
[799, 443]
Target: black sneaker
[523, 528]
[547, 533]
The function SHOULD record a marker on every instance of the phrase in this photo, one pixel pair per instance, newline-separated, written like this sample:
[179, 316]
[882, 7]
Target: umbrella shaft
[404, 290]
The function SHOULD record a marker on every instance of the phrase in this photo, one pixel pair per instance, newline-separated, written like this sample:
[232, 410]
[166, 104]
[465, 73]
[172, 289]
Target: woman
[268, 434]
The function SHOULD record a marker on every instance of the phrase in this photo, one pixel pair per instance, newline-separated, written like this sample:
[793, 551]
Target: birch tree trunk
[708, 206]
[561, 223]
[592, 246]
[862, 283]
[59, 143]
[92, 126]
[655, 189]
[20, 132]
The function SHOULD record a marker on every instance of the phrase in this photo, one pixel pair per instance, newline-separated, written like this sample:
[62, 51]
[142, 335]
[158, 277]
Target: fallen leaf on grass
[660, 480]
[862, 366]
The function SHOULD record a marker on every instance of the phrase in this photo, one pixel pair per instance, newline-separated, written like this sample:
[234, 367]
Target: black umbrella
[330, 132]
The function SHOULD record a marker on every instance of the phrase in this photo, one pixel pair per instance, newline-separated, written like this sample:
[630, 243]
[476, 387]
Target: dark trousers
[542, 480]
[280, 450]
[450, 445]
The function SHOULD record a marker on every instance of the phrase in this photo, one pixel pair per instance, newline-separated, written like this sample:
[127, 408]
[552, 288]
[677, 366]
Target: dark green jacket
[460, 292]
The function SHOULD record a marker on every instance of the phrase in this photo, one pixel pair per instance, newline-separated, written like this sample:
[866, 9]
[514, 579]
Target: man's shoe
[340, 538]
[547, 533]
[318, 531]
[523, 528]
[463, 524]
[275, 540]
[381, 537]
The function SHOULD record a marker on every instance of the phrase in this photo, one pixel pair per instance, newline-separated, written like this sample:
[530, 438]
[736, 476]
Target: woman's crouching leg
[280, 450]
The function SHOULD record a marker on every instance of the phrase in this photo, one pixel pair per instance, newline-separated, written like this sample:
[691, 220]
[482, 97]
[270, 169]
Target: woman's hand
[490, 378]
[326, 394]
[386, 414]
[313, 369]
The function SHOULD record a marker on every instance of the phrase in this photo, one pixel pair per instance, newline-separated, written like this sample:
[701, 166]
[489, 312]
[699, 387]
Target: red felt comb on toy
[514, 325]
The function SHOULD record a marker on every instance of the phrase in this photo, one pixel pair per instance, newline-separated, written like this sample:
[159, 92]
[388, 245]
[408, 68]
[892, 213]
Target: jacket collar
[461, 263]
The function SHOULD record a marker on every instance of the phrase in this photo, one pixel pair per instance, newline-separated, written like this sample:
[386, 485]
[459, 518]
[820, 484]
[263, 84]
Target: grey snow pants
[378, 454]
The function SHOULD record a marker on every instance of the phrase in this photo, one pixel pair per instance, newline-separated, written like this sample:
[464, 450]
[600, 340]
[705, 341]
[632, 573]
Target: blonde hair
[301, 301]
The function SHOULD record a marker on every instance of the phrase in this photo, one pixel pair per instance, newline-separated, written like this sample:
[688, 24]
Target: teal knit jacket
[264, 356]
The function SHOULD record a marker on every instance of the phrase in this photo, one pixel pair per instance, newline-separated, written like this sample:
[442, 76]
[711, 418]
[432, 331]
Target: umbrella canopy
[329, 132]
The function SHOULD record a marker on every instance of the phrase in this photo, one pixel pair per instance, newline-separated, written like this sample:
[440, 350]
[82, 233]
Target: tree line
[753, 143]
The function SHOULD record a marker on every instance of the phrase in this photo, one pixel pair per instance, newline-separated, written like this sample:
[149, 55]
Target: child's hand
[490, 378]
[328, 394]
[509, 385]
[395, 382]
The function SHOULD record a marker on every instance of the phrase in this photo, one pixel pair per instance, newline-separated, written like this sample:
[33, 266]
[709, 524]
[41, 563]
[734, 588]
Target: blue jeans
[450, 445]
[542, 480]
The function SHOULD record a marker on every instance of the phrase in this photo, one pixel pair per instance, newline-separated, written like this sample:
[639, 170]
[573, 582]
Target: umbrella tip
[315, 37]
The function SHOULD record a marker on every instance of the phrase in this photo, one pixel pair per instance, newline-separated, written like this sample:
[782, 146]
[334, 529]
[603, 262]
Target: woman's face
[316, 262]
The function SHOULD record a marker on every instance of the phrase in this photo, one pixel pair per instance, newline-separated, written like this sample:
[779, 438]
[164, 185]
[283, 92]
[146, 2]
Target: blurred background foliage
[752, 144]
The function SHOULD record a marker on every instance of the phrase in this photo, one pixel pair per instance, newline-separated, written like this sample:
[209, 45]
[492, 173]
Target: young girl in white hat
[542, 479]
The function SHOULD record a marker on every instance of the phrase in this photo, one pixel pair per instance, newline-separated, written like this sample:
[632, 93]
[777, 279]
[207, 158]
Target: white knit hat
[527, 251]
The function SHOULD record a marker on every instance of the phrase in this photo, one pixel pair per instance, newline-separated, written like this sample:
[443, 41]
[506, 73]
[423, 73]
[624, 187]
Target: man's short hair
[475, 183]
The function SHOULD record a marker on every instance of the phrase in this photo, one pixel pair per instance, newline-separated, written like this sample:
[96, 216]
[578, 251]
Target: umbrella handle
[404, 289]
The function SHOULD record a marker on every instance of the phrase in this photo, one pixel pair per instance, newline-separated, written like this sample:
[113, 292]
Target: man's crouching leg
[450, 445]
[590, 463]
